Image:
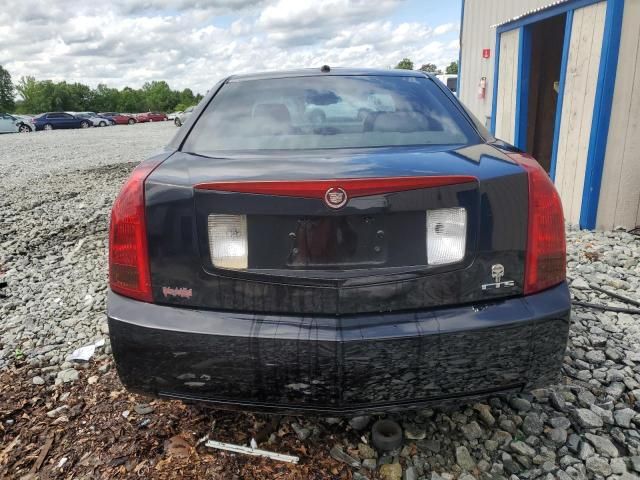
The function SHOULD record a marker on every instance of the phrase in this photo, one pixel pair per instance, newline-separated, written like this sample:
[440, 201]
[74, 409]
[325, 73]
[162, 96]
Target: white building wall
[619, 204]
[620, 189]
[577, 107]
[477, 35]
[507, 86]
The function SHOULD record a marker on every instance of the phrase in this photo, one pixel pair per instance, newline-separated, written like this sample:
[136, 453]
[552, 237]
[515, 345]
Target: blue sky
[429, 12]
[193, 43]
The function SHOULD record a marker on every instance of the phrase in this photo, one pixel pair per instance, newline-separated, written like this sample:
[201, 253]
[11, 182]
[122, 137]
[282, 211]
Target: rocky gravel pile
[57, 191]
[53, 225]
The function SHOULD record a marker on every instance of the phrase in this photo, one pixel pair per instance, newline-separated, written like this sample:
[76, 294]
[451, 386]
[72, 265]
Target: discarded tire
[386, 435]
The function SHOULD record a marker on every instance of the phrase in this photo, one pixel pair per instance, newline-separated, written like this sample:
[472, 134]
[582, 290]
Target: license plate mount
[339, 241]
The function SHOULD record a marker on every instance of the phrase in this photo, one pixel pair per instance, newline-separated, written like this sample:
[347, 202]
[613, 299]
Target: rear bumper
[340, 364]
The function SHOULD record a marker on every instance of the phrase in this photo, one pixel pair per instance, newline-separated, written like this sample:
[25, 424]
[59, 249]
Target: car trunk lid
[303, 256]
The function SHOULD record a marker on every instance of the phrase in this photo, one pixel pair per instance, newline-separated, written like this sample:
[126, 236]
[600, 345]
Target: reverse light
[446, 235]
[546, 245]
[228, 241]
[128, 252]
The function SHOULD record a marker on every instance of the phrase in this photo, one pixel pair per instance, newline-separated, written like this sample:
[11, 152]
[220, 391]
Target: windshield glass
[328, 112]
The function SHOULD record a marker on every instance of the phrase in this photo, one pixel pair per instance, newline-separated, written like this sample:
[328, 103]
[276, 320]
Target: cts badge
[497, 272]
[336, 197]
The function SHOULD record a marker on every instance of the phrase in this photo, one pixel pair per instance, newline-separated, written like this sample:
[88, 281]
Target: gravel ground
[53, 224]
[27, 157]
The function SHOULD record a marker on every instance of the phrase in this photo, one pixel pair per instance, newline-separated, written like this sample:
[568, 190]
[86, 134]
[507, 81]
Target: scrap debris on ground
[61, 418]
[93, 428]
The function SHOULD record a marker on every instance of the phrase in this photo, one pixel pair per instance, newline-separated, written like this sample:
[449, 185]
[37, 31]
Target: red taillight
[128, 253]
[546, 245]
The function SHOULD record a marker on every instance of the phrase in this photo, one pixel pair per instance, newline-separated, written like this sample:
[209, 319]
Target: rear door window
[320, 112]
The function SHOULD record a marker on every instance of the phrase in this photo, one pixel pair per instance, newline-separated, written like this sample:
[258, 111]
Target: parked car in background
[119, 118]
[374, 262]
[12, 124]
[24, 118]
[151, 117]
[57, 120]
[97, 115]
[182, 117]
[95, 119]
[173, 115]
[450, 80]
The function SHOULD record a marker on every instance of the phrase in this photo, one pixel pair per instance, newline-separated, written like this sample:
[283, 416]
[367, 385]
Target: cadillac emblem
[335, 197]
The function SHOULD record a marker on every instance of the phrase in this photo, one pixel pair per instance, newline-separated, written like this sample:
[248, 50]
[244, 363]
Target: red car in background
[119, 118]
[151, 117]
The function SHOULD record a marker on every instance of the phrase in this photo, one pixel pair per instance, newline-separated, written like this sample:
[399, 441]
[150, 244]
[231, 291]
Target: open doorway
[546, 37]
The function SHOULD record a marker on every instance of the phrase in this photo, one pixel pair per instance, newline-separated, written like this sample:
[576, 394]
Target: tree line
[38, 96]
[407, 64]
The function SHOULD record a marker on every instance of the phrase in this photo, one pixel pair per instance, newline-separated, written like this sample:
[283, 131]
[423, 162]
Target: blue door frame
[522, 88]
[603, 95]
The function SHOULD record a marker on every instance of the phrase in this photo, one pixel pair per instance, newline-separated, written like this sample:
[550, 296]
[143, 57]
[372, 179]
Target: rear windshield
[328, 112]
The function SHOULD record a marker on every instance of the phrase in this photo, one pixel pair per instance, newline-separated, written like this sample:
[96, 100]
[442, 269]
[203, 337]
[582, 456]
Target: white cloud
[241, 27]
[293, 22]
[187, 43]
[445, 28]
[222, 6]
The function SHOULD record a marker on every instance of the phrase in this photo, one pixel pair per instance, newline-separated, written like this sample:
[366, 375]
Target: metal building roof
[529, 12]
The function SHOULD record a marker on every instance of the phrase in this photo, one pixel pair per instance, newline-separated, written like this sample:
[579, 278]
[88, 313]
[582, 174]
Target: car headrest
[272, 111]
[401, 122]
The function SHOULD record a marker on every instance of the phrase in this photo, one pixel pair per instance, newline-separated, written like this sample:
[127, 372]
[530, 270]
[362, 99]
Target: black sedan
[388, 253]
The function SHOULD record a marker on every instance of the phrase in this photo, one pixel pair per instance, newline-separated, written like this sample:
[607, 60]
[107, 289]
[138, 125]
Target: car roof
[316, 72]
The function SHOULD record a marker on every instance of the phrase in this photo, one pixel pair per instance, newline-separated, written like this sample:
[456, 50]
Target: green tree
[37, 96]
[80, 97]
[452, 68]
[7, 103]
[187, 97]
[405, 64]
[158, 96]
[26, 88]
[105, 99]
[431, 68]
[131, 101]
[60, 97]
